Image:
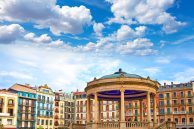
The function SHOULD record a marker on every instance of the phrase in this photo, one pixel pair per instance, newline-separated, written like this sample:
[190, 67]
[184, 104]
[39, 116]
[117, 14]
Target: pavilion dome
[121, 73]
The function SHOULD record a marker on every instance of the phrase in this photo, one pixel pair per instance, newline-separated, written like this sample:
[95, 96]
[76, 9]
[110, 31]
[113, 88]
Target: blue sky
[65, 43]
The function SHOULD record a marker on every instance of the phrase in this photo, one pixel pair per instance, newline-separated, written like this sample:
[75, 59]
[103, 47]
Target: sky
[65, 44]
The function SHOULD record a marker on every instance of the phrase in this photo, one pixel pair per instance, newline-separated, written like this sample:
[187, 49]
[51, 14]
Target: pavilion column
[155, 115]
[96, 106]
[148, 107]
[122, 119]
[141, 110]
[99, 111]
[88, 109]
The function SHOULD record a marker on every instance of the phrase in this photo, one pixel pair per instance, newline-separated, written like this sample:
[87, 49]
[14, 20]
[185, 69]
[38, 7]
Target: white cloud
[58, 67]
[185, 76]
[152, 70]
[163, 60]
[145, 12]
[44, 38]
[46, 14]
[140, 46]
[9, 33]
[125, 32]
[16, 75]
[98, 27]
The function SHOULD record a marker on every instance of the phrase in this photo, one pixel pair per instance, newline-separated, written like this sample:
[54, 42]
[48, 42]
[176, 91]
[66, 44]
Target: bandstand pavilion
[121, 87]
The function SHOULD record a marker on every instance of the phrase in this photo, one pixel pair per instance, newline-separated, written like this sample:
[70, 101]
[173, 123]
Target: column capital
[122, 90]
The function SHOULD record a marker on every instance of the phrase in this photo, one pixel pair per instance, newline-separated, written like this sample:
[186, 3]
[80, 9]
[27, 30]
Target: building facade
[64, 110]
[69, 109]
[8, 109]
[175, 103]
[26, 117]
[44, 107]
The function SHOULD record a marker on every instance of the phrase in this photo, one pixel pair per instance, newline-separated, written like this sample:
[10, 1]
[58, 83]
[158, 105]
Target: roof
[22, 88]
[7, 92]
[120, 73]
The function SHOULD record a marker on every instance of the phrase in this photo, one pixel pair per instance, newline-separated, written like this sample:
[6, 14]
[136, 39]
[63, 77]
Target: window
[189, 101]
[182, 94]
[189, 93]
[183, 120]
[168, 110]
[161, 111]
[136, 112]
[161, 96]
[182, 102]
[51, 122]
[169, 119]
[174, 94]
[46, 122]
[167, 95]
[42, 122]
[0, 121]
[191, 120]
[161, 103]
[190, 109]
[168, 102]
[9, 121]
[10, 102]
[38, 122]
[175, 102]
[175, 109]
[176, 120]
[182, 109]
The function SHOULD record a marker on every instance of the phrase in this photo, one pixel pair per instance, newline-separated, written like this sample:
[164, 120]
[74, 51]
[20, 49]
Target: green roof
[119, 74]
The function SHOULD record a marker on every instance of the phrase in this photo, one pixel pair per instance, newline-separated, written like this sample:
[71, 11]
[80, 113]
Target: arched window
[10, 102]
[176, 120]
[183, 120]
[190, 120]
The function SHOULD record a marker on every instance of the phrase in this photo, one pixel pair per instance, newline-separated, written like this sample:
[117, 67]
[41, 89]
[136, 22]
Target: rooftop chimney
[164, 83]
[171, 83]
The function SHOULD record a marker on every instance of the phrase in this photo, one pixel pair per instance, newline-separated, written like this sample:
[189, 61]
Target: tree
[1, 126]
[40, 127]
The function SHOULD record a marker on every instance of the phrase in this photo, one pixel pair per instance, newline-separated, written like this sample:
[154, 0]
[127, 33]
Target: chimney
[171, 83]
[193, 86]
[164, 83]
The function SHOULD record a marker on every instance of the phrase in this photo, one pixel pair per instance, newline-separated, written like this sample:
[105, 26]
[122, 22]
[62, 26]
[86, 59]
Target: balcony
[4, 114]
[168, 105]
[189, 104]
[10, 104]
[179, 112]
[168, 113]
[189, 96]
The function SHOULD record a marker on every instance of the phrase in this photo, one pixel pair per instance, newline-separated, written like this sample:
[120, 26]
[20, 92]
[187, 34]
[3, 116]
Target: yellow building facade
[8, 109]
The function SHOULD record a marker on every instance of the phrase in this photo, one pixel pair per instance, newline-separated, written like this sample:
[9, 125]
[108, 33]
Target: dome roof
[120, 73]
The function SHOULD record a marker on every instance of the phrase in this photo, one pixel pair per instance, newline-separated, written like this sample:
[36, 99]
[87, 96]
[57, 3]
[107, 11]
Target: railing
[179, 112]
[136, 124]
[109, 125]
[166, 125]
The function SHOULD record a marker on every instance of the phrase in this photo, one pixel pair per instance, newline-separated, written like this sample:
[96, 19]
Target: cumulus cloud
[125, 32]
[145, 12]
[140, 46]
[46, 14]
[98, 27]
[9, 33]
[44, 38]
